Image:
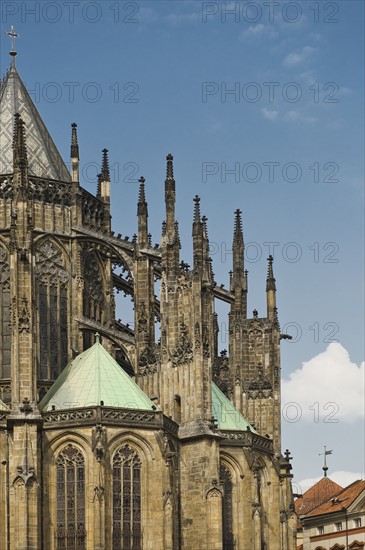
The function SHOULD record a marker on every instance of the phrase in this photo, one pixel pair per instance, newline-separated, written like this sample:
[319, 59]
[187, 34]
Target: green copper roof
[226, 413]
[94, 376]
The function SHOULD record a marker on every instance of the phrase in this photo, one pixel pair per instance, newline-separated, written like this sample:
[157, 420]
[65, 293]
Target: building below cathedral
[331, 517]
[113, 438]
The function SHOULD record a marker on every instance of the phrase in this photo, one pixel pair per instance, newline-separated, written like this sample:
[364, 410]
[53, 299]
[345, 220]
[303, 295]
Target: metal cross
[325, 467]
[13, 35]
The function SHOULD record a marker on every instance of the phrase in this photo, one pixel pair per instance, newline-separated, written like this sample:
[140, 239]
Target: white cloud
[341, 477]
[328, 385]
[259, 30]
[269, 114]
[299, 56]
[295, 116]
[254, 30]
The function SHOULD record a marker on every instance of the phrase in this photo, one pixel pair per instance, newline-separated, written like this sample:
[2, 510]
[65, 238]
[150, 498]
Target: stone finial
[169, 167]
[74, 142]
[270, 281]
[105, 172]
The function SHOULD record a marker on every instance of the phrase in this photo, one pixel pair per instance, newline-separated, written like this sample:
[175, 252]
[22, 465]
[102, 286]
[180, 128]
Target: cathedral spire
[142, 211]
[270, 289]
[75, 155]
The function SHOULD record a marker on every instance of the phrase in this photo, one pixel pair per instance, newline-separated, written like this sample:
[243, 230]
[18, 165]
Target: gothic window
[227, 508]
[127, 534]
[5, 333]
[93, 294]
[52, 281]
[71, 533]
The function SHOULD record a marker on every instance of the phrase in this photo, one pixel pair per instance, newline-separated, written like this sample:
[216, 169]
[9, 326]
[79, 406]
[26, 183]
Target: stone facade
[194, 484]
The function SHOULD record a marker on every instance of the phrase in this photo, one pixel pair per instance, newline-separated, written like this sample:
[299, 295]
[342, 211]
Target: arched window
[52, 279]
[127, 533]
[227, 508]
[5, 334]
[93, 294]
[71, 533]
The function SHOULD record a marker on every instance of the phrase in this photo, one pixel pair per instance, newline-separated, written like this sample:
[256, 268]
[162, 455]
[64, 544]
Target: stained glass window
[127, 532]
[71, 532]
[227, 508]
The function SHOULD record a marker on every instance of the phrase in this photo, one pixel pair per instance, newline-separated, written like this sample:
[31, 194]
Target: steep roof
[343, 499]
[44, 160]
[94, 376]
[228, 417]
[321, 491]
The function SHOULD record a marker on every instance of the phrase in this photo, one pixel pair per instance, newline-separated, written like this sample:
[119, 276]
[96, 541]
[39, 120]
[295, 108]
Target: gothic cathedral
[121, 439]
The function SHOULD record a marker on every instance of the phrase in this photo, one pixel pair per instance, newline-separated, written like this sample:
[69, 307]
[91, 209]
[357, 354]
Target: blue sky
[273, 93]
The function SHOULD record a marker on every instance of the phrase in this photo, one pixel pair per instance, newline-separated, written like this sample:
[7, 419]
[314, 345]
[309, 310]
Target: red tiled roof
[343, 499]
[321, 491]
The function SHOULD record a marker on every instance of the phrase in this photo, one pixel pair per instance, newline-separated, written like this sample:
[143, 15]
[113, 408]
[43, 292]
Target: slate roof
[44, 160]
[228, 417]
[92, 377]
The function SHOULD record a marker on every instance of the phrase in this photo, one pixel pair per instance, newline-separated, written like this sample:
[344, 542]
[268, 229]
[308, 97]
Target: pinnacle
[105, 172]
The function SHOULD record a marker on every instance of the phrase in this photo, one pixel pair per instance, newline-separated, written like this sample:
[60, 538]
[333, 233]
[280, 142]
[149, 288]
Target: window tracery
[127, 532]
[71, 532]
[52, 278]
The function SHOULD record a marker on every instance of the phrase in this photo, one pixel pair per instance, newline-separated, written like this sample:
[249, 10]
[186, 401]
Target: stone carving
[206, 344]
[183, 353]
[148, 361]
[99, 442]
[24, 317]
[92, 279]
[142, 321]
[261, 385]
[197, 335]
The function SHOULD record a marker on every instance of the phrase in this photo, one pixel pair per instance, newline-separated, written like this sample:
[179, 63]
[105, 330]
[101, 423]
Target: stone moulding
[108, 416]
[248, 439]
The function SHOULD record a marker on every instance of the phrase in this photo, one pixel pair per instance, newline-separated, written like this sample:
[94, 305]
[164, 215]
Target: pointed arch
[70, 499]
[127, 499]
[52, 282]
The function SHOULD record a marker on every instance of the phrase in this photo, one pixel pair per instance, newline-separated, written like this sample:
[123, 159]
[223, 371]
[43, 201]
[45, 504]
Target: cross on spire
[13, 36]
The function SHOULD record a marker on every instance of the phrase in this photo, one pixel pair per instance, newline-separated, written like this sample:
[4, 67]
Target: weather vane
[325, 468]
[13, 36]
